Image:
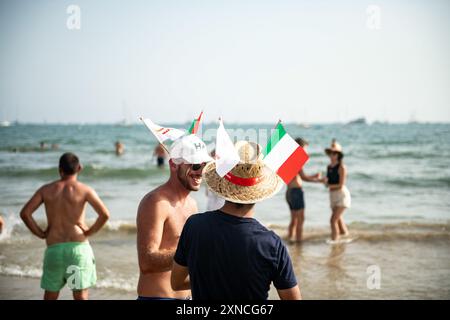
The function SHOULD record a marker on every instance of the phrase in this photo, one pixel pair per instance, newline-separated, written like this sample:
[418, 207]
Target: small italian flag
[283, 155]
[196, 124]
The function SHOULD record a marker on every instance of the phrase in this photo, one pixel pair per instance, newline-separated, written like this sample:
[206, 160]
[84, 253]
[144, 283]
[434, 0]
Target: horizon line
[121, 124]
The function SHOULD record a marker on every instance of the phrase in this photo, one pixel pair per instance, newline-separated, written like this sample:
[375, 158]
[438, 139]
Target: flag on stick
[196, 124]
[161, 133]
[226, 155]
[283, 155]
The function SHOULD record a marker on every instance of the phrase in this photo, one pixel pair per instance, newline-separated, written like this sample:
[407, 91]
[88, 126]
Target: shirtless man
[119, 148]
[160, 154]
[161, 217]
[296, 201]
[68, 257]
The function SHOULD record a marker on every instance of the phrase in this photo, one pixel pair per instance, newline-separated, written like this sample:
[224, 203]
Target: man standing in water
[68, 257]
[295, 199]
[161, 217]
[161, 154]
[119, 148]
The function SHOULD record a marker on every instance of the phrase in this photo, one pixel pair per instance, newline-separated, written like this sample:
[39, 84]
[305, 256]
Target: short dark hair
[69, 163]
[302, 142]
[240, 205]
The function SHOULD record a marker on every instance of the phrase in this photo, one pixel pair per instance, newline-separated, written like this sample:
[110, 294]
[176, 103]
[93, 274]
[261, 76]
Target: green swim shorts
[68, 262]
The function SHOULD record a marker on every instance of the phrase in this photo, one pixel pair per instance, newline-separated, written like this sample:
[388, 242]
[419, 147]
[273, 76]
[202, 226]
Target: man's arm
[150, 221]
[180, 277]
[312, 178]
[290, 294]
[103, 214]
[27, 212]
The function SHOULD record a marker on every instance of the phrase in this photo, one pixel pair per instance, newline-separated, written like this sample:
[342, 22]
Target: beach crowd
[221, 254]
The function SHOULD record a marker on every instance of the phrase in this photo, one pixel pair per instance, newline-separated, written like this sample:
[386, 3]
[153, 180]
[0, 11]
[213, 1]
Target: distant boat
[304, 125]
[125, 122]
[5, 123]
[358, 121]
[377, 122]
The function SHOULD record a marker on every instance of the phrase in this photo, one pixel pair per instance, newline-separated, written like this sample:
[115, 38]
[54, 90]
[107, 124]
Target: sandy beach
[22, 288]
[413, 260]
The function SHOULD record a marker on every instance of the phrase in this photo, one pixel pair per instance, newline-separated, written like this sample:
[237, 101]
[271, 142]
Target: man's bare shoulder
[58, 185]
[156, 202]
[83, 187]
[49, 187]
[193, 204]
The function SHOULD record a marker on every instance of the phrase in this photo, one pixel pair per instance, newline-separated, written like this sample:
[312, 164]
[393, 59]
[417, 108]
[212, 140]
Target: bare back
[296, 182]
[160, 221]
[65, 203]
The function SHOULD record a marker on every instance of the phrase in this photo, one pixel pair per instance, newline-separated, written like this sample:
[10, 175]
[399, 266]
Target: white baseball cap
[189, 149]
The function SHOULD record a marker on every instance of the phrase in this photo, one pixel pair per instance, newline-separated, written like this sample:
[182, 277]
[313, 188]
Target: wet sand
[23, 288]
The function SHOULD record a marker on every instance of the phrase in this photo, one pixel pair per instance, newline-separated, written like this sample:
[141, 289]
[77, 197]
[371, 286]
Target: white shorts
[340, 198]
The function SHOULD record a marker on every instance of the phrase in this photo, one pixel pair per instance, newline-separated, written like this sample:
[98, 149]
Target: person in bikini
[340, 198]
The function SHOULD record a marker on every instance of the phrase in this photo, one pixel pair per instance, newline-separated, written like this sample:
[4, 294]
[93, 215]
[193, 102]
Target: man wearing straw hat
[227, 254]
[161, 216]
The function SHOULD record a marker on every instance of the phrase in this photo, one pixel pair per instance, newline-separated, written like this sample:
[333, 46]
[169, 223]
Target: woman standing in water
[340, 198]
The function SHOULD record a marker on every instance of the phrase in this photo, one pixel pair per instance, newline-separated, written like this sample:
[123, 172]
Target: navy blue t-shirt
[232, 258]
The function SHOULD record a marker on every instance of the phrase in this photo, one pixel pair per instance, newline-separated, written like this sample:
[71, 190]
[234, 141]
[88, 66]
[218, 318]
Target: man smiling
[161, 217]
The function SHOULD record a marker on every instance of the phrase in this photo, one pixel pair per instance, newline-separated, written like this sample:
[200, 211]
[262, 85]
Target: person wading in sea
[340, 198]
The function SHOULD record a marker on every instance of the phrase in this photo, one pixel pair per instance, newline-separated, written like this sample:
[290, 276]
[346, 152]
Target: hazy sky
[250, 61]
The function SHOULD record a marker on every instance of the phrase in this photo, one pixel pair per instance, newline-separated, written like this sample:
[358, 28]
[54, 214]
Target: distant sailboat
[4, 123]
[305, 124]
[412, 118]
[125, 122]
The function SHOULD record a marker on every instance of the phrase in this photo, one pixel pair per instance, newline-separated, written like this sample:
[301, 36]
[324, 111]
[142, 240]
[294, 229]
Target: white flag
[226, 155]
[161, 133]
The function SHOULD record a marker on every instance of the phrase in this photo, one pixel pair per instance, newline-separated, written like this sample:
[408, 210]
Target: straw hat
[249, 181]
[335, 147]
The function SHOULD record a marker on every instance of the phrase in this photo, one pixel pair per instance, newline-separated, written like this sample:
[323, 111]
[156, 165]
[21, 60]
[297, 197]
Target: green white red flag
[283, 155]
[196, 124]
